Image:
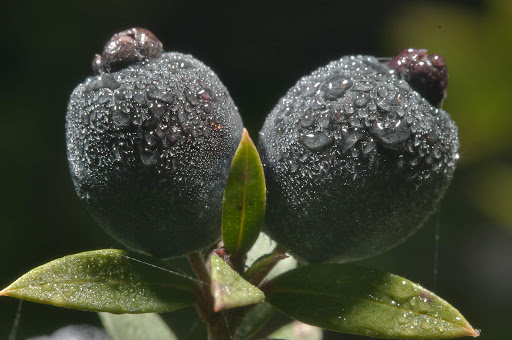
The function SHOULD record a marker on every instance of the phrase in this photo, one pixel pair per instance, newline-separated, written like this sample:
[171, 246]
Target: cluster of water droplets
[102, 280]
[340, 120]
[169, 114]
[412, 309]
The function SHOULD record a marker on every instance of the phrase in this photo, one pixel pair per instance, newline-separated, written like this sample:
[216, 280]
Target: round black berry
[355, 161]
[150, 141]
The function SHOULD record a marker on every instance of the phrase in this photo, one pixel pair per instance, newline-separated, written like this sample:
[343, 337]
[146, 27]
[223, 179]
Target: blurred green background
[259, 51]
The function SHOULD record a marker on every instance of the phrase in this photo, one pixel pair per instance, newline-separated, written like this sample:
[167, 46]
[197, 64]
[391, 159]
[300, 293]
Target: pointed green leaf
[243, 209]
[148, 326]
[108, 280]
[229, 289]
[351, 299]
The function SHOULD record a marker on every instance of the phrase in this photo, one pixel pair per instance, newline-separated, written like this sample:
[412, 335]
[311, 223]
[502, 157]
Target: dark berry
[150, 145]
[355, 161]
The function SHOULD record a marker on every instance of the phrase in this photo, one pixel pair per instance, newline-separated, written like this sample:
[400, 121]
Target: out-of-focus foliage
[475, 219]
[493, 193]
[477, 46]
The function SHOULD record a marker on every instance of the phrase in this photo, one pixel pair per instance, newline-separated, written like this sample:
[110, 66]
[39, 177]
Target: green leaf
[229, 289]
[243, 208]
[110, 280]
[186, 323]
[135, 327]
[261, 265]
[253, 321]
[357, 300]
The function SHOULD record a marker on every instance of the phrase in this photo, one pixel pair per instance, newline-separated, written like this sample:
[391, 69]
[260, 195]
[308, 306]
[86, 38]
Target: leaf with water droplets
[110, 280]
[351, 299]
[148, 326]
[229, 289]
[243, 209]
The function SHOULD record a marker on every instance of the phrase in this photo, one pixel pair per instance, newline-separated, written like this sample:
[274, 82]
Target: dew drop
[399, 111]
[336, 88]
[323, 122]
[402, 320]
[140, 97]
[350, 138]
[151, 139]
[205, 94]
[163, 96]
[382, 92]
[402, 85]
[149, 157]
[317, 141]
[383, 106]
[360, 102]
[306, 122]
[104, 97]
[369, 147]
[191, 98]
[294, 167]
[120, 118]
[364, 86]
[392, 136]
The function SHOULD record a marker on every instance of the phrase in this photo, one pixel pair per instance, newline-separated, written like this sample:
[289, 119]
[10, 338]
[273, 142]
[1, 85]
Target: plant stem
[221, 325]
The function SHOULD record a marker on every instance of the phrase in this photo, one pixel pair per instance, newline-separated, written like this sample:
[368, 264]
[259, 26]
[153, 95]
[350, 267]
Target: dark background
[259, 51]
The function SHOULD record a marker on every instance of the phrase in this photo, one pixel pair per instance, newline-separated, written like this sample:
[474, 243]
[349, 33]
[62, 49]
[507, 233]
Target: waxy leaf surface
[229, 289]
[357, 300]
[113, 281]
[243, 209]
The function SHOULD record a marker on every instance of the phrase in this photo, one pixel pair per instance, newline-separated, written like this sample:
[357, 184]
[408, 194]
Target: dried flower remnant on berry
[426, 73]
[125, 48]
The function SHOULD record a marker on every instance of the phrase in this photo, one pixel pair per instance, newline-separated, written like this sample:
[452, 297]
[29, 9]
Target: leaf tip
[245, 137]
[475, 333]
[4, 292]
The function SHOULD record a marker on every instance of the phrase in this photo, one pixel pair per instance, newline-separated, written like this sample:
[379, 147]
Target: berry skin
[355, 161]
[150, 141]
